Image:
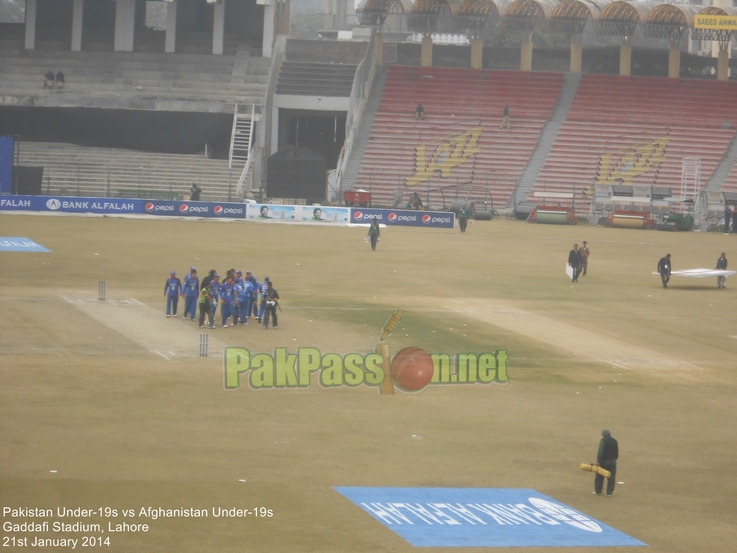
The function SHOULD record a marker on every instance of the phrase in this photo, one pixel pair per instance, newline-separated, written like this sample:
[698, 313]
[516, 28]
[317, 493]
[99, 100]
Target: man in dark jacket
[664, 268]
[722, 266]
[574, 260]
[606, 458]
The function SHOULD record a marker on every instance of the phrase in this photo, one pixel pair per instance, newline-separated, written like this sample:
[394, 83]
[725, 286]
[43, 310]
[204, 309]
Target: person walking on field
[722, 265]
[584, 257]
[172, 290]
[463, 215]
[606, 458]
[574, 260]
[664, 268]
[374, 233]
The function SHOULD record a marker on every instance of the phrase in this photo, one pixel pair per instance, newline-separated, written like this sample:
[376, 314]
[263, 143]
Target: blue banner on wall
[195, 209]
[6, 164]
[109, 206]
[482, 517]
[65, 204]
[403, 217]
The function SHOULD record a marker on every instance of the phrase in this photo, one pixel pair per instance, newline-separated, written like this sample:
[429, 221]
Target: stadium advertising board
[271, 212]
[19, 244]
[6, 164]
[482, 517]
[322, 214]
[195, 209]
[65, 204]
[403, 217]
[715, 22]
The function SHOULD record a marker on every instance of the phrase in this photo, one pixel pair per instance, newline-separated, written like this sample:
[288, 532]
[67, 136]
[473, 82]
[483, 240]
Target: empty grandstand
[216, 88]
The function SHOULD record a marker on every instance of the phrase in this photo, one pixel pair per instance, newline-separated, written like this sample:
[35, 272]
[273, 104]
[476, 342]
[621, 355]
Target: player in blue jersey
[251, 292]
[254, 295]
[227, 298]
[172, 289]
[243, 302]
[191, 293]
[215, 290]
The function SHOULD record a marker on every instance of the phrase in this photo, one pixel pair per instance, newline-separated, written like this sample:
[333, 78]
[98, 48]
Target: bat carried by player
[387, 385]
[597, 469]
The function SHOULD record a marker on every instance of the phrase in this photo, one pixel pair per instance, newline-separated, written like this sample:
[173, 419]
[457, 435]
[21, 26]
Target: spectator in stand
[195, 193]
[49, 79]
[415, 202]
[59, 79]
[419, 113]
[505, 118]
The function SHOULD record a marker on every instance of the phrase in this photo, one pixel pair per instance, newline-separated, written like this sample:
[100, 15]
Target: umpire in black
[271, 297]
[606, 458]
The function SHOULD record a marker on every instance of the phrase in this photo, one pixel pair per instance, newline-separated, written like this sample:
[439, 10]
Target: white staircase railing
[240, 189]
[241, 138]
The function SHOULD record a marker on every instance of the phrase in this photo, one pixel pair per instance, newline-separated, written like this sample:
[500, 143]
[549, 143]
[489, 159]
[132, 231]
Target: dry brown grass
[84, 392]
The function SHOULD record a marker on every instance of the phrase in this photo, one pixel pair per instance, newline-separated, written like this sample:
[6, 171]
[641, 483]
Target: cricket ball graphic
[412, 369]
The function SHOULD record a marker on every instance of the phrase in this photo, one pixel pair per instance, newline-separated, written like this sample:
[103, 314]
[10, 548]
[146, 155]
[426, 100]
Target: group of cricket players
[237, 296]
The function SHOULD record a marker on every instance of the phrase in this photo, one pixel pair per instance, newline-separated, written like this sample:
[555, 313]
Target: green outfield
[108, 405]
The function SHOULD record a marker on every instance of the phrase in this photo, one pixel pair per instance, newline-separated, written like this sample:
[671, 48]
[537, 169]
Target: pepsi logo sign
[218, 210]
[426, 219]
[358, 215]
[149, 207]
[183, 208]
[392, 217]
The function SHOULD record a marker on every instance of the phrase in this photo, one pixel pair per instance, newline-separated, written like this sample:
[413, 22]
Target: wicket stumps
[204, 341]
[101, 290]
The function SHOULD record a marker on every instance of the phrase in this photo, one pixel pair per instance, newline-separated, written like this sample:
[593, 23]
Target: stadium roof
[611, 17]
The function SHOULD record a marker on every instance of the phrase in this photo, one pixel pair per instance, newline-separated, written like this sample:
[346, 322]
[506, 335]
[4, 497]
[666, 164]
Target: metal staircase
[724, 168]
[241, 137]
[545, 142]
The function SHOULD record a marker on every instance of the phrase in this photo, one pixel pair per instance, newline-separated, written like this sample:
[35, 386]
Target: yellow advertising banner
[716, 22]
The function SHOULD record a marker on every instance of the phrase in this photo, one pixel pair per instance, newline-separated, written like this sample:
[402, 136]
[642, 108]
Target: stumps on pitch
[204, 342]
[101, 290]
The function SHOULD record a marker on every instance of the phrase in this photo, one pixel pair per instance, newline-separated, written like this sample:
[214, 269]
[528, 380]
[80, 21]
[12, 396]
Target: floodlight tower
[373, 13]
[525, 15]
[670, 21]
[472, 16]
[570, 17]
[422, 19]
[621, 19]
